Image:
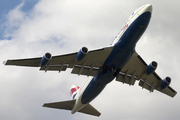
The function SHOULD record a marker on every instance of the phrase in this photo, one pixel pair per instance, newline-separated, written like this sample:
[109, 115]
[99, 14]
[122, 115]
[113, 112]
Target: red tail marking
[74, 90]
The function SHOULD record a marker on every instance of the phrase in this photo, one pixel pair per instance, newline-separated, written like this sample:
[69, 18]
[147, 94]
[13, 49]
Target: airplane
[119, 61]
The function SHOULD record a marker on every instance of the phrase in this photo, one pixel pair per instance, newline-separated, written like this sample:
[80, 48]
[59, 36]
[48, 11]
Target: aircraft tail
[68, 105]
[74, 90]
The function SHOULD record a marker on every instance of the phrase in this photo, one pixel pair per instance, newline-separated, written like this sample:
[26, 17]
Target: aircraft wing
[89, 65]
[136, 69]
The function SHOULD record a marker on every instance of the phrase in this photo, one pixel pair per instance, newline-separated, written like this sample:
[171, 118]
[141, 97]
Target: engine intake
[165, 82]
[45, 59]
[82, 53]
[151, 68]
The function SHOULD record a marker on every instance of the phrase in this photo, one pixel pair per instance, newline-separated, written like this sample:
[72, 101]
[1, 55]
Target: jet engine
[45, 59]
[165, 82]
[151, 68]
[82, 53]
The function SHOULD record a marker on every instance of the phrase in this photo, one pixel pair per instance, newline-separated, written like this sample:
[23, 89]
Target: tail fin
[74, 91]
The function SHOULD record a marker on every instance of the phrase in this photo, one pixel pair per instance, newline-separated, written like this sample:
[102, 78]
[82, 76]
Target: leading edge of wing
[29, 62]
[94, 58]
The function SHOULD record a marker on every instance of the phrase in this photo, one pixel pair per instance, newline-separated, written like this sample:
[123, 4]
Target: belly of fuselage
[96, 85]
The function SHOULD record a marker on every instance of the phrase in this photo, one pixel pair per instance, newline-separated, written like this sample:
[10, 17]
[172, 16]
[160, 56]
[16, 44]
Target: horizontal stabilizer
[68, 105]
[88, 109]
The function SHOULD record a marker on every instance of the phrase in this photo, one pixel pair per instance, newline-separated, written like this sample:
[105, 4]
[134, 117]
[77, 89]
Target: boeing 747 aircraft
[120, 61]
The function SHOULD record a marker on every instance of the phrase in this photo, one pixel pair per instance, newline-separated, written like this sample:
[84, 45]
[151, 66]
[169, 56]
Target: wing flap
[54, 68]
[146, 86]
[89, 71]
[126, 78]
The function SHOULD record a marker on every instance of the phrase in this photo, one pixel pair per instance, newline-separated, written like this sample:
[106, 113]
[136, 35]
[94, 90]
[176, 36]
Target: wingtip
[4, 62]
[44, 105]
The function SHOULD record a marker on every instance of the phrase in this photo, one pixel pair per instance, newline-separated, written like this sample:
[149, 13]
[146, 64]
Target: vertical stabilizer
[74, 90]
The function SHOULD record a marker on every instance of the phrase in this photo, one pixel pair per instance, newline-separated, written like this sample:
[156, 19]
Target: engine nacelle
[165, 82]
[151, 68]
[45, 59]
[82, 53]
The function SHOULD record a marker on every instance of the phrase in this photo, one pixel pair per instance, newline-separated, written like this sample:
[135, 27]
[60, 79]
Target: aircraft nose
[148, 8]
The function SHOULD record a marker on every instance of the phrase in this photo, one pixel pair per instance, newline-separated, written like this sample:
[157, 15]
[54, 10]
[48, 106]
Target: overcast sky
[30, 28]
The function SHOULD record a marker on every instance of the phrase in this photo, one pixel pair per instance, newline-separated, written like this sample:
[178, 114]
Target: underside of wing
[87, 65]
[137, 69]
